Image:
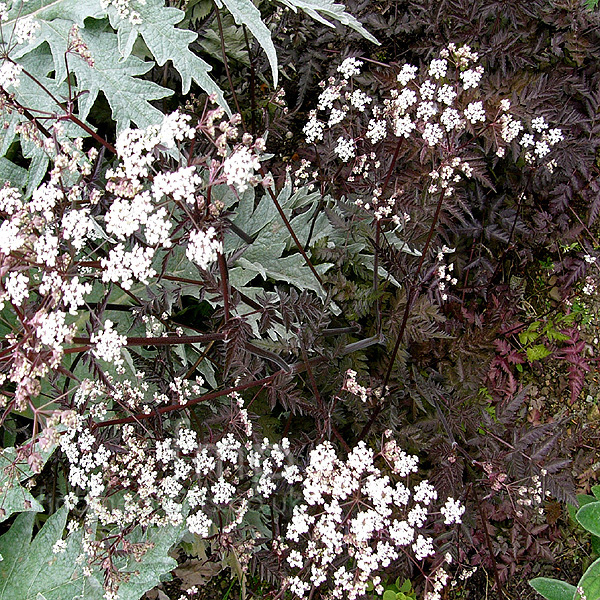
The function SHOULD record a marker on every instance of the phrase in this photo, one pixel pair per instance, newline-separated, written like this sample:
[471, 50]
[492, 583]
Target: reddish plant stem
[489, 544]
[292, 232]
[297, 368]
[410, 296]
[224, 285]
[26, 113]
[226, 64]
[252, 82]
[192, 402]
[70, 116]
[376, 277]
[378, 234]
[169, 340]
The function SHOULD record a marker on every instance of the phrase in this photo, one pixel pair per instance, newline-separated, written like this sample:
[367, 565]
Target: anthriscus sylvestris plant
[405, 160]
[163, 303]
[410, 160]
[103, 256]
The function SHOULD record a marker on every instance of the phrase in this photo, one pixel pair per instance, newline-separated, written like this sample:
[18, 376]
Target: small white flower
[446, 94]
[475, 112]
[427, 90]
[553, 136]
[433, 134]
[199, 524]
[403, 126]
[345, 149]
[108, 344]
[350, 67]
[203, 247]
[471, 77]
[239, 168]
[376, 131]
[360, 100]
[222, 491]
[438, 68]
[527, 140]
[9, 74]
[539, 124]
[451, 119]
[452, 511]
[422, 547]
[541, 149]
[407, 73]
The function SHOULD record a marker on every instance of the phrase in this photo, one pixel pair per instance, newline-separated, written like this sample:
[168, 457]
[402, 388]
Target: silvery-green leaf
[75, 11]
[13, 471]
[245, 13]
[166, 42]
[553, 589]
[31, 568]
[319, 9]
[129, 97]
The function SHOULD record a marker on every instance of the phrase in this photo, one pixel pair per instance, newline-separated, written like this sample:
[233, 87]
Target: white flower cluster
[380, 522]
[345, 149]
[444, 272]
[180, 184]
[126, 266]
[10, 73]
[541, 141]
[41, 264]
[108, 344]
[435, 106]
[362, 392]
[203, 247]
[350, 510]
[124, 10]
[136, 150]
[438, 582]
[313, 130]
[25, 29]
[350, 67]
[240, 168]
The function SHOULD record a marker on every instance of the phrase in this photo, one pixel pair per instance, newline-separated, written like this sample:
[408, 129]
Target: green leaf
[265, 256]
[389, 595]
[590, 582]
[596, 491]
[31, 568]
[233, 38]
[75, 11]
[537, 352]
[317, 8]
[166, 42]
[129, 97]
[553, 589]
[29, 94]
[589, 517]
[554, 335]
[154, 564]
[13, 174]
[13, 496]
[596, 544]
[582, 500]
[245, 13]
[113, 63]
[530, 334]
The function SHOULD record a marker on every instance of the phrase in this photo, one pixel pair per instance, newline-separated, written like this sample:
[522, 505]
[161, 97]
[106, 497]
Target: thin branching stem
[226, 64]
